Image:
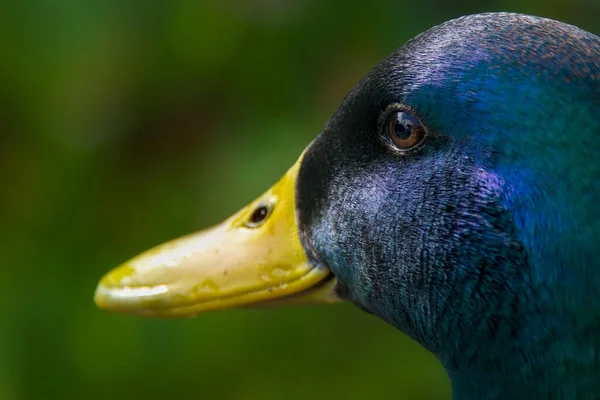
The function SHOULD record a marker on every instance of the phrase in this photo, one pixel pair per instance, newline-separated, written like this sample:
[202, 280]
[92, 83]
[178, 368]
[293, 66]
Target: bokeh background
[127, 123]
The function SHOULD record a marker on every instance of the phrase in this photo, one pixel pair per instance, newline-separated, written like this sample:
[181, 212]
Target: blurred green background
[127, 123]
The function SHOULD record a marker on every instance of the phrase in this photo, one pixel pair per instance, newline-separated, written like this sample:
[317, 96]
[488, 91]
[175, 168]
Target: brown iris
[404, 130]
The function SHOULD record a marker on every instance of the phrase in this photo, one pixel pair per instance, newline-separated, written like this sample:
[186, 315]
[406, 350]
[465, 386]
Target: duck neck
[559, 363]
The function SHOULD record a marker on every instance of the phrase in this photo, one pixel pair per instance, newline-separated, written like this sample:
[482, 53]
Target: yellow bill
[254, 258]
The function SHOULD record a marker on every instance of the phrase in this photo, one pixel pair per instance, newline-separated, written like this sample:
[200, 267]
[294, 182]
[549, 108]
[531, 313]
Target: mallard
[454, 193]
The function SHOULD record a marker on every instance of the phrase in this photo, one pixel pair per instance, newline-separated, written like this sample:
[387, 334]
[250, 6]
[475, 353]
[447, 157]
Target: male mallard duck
[454, 193]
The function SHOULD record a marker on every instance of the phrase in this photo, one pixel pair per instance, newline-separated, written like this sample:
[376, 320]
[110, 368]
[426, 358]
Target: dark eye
[404, 131]
[258, 216]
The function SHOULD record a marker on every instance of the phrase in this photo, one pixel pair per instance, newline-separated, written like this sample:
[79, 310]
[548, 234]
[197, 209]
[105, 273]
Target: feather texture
[483, 244]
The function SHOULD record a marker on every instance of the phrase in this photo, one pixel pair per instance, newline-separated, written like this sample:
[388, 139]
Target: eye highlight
[403, 131]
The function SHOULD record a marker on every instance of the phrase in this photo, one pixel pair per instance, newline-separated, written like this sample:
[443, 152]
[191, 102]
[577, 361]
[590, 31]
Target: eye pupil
[404, 130]
[402, 127]
[259, 215]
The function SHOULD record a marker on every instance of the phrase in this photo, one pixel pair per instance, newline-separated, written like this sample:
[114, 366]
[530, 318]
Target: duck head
[454, 194]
